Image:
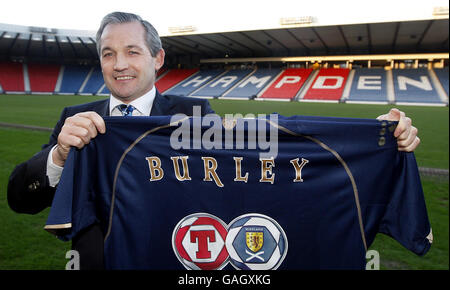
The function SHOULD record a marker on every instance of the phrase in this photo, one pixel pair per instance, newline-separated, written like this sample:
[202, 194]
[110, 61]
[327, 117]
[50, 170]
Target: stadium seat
[43, 77]
[288, 84]
[105, 91]
[414, 86]
[222, 84]
[253, 84]
[328, 85]
[369, 85]
[161, 71]
[11, 77]
[94, 83]
[73, 78]
[173, 77]
[193, 83]
[442, 75]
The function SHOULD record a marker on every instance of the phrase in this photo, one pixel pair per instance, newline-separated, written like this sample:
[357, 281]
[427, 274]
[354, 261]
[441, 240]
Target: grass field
[25, 245]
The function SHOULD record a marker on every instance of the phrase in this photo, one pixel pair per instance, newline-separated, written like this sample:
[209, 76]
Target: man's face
[127, 64]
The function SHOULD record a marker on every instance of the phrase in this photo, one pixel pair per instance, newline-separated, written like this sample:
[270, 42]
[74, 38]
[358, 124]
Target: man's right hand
[77, 131]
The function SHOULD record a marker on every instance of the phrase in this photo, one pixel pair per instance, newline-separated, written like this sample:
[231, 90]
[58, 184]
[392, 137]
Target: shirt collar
[143, 104]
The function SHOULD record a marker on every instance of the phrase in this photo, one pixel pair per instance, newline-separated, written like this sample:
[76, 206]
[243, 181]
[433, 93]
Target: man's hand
[77, 131]
[405, 133]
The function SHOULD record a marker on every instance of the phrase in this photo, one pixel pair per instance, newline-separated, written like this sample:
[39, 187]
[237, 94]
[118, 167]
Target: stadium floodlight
[296, 20]
[182, 29]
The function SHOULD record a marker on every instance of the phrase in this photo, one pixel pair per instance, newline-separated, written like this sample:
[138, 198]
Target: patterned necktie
[126, 110]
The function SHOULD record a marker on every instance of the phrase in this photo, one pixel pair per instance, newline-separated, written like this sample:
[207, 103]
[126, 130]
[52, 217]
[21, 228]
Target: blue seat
[251, 86]
[218, 87]
[442, 75]
[95, 82]
[73, 78]
[105, 91]
[196, 81]
[414, 86]
[369, 85]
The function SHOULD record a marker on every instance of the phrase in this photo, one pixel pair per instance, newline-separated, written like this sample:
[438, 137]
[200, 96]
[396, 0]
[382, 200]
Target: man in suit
[130, 54]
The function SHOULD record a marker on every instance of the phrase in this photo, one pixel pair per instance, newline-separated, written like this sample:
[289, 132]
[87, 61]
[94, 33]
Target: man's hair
[151, 35]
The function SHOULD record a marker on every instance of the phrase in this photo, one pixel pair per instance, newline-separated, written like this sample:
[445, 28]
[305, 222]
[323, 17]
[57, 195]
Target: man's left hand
[405, 132]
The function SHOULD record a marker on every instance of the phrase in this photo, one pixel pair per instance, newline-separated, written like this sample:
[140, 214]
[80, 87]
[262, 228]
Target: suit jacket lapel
[160, 105]
[102, 108]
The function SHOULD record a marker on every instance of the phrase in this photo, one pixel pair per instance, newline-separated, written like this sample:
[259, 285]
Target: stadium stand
[73, 77]
[233, 65]
[105, 91]
[43, 77]
[161, 71]
[222, 84]
[287, 85]
[195, 82]
[253, 84]
[173, 77]
[442, 75]
[11, 77]
[414, 86]
[94, 83]
[328, 85]
[368, 85]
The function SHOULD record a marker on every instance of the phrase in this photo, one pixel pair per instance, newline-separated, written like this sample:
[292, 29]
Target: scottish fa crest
[250, 242]
[256, 242]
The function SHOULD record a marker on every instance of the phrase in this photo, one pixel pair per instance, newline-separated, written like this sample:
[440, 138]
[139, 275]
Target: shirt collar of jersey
[142, 104]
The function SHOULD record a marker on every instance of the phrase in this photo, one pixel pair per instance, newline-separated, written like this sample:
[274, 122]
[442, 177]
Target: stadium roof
[421, 36]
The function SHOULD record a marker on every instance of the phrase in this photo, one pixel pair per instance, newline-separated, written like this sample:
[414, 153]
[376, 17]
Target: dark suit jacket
[28, 186]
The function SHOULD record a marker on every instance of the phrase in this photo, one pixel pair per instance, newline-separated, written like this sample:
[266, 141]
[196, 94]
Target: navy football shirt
[218, 202]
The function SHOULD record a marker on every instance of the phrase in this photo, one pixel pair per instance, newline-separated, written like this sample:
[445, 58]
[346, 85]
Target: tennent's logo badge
[201, 241]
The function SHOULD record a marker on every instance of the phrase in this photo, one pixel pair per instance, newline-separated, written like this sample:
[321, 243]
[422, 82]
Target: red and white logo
[198, 241]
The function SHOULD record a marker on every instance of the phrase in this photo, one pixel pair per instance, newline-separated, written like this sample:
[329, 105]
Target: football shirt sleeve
[406, 218]
[73, 205]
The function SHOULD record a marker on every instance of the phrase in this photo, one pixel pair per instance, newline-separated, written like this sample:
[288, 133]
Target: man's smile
[124, 78]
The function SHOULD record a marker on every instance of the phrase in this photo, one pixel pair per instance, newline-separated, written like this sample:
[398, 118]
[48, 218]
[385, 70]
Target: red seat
[11, 77]
[287, 84]
[329, 84]
[172, 78]
[43, 77]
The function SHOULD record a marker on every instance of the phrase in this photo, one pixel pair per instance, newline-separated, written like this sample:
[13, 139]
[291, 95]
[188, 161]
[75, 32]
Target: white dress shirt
[143, 106]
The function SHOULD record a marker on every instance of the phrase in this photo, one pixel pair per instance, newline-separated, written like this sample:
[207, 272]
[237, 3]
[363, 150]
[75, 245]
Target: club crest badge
[256, 242]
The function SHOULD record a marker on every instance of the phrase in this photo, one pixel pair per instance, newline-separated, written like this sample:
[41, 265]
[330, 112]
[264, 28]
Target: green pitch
[432, 122]
[25, 245]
